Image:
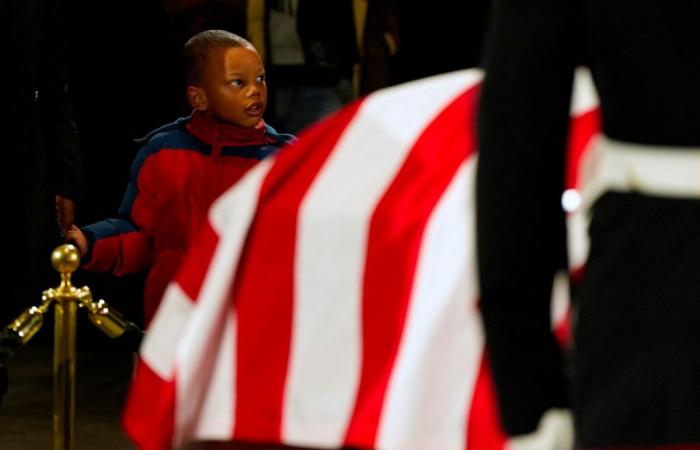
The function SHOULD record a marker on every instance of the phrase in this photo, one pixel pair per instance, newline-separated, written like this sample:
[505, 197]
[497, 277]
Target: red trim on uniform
[577, 274]
[562, 332]
[394, 241]
[264, 286]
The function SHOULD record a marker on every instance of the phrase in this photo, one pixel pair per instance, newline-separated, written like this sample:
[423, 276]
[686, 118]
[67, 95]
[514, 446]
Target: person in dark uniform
[40, 139]
[636, 362]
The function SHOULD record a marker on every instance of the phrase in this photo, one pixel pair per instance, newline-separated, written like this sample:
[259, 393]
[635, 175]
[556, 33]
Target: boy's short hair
[197, 49]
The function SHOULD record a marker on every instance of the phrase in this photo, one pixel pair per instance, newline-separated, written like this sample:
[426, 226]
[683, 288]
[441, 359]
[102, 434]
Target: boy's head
[225, 78]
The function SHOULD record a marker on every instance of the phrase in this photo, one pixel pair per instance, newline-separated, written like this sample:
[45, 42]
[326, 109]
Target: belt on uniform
[646, 169]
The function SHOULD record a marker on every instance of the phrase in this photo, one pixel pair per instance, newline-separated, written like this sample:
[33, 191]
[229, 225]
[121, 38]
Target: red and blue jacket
[178, 173]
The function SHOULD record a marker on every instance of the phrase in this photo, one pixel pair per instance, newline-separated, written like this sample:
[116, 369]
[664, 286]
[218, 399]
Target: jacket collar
[215, 133]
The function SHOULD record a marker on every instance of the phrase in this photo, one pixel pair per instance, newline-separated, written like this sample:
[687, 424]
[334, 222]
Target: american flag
[331, 299]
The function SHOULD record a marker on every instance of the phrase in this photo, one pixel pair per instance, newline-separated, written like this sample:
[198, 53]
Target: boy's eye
[237, 82]
[261, 78]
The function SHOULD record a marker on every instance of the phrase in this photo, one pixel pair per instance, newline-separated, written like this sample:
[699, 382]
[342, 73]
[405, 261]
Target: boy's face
[233, 86]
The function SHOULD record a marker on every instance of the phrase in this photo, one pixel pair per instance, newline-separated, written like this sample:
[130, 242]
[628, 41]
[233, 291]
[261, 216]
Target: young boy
[185, 165]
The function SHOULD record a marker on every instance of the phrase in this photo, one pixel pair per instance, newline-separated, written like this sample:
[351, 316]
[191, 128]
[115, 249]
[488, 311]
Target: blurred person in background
[312, 50]
[41, 140]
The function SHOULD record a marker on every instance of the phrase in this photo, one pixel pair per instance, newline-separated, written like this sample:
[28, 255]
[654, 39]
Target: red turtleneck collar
[216, 133]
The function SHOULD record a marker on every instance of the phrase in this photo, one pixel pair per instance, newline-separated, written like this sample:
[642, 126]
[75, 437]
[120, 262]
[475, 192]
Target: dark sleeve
[70, 183]
[60, 130]
[522, 128]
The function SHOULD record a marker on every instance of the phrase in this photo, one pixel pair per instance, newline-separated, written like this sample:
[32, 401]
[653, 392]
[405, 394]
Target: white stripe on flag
[327, 331]
[210, 330]
[431, 387]
[215, 420]
[161, 340]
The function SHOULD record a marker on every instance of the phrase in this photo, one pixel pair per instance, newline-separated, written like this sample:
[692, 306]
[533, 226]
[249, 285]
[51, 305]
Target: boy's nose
[253, 91]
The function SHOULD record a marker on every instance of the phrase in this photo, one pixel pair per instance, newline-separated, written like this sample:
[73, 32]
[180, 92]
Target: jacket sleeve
[522, 128]
[70, 164]
[124, 244]
[56, 105]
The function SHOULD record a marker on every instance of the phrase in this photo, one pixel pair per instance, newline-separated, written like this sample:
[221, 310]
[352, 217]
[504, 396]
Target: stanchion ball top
[65, 258]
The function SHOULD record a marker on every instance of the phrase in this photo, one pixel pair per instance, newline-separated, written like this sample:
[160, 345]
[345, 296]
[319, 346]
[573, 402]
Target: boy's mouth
[255, 109]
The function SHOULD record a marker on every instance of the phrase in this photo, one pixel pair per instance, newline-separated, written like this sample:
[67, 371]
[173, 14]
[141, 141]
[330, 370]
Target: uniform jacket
[644, 60]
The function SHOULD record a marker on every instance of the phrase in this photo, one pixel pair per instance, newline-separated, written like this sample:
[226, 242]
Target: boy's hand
[76, 237]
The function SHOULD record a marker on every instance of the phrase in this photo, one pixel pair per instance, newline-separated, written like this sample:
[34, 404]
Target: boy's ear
[197, 98]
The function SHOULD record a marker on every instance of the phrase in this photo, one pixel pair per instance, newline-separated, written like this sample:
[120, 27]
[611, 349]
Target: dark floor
[102, 380]
[103, 371]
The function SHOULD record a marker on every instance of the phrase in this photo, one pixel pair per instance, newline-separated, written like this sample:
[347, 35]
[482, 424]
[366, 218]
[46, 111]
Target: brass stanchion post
[65, 260]
[67, 298]
[64, 375]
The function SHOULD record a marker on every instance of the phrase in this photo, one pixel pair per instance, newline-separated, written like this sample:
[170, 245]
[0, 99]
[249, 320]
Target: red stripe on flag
[484, 430]
[394, 239]
[149, 415]
[195, 267]
[582, 128]
[264, 286]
